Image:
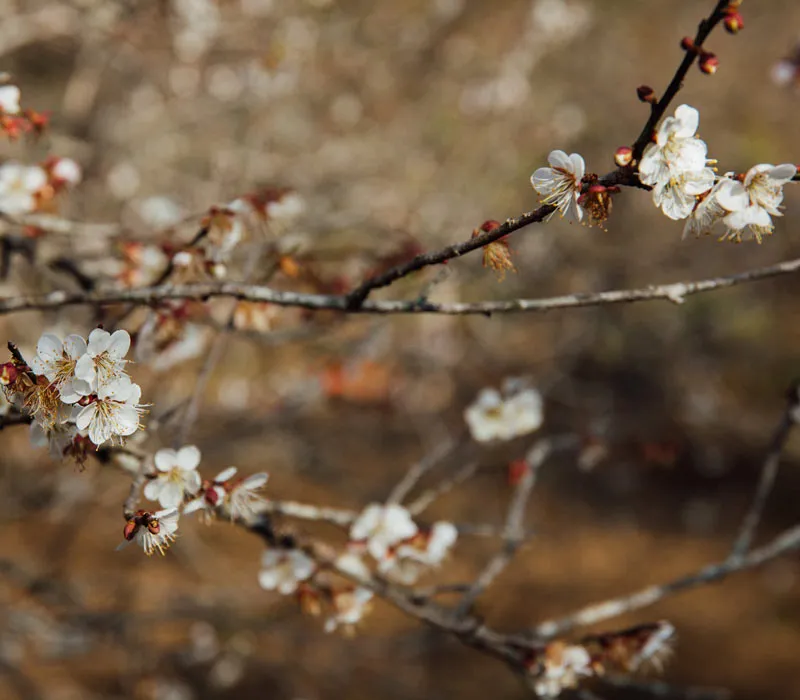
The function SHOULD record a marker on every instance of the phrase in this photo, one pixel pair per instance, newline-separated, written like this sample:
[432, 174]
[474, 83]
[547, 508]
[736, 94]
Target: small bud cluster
[561, 666]
[25, 189]
[14, 120]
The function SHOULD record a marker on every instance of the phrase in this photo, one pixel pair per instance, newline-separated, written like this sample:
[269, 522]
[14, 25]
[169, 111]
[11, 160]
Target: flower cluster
[684, 187]
[400, 548]
[29, 188]
[14, 120]
[503, 416]
[237, 498]
[76, 390]
[560, 666]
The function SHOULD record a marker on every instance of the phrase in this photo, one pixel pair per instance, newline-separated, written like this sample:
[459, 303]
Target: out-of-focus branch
[789, 541]
[769, 472]
[514, 530]
[675, 292]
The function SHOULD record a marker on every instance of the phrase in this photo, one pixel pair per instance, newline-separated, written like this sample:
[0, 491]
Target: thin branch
[788, 541]
[304, 511]
[420, 468]
[676, 292]
[769, 472]
[514, 531]
[425, 499]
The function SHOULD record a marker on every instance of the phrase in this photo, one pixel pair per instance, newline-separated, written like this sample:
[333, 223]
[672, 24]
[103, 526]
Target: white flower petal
[187, 458]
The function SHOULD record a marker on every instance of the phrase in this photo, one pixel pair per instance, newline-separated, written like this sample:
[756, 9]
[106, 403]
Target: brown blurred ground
[374, 113]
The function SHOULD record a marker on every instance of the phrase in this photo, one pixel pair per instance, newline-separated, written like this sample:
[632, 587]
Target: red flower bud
[623, 156]
[709, 63]
[687, 44]
[8, 373]
[646, 94]
[733, 22]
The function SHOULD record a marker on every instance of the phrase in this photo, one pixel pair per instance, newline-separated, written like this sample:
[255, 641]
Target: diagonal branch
[788, 541]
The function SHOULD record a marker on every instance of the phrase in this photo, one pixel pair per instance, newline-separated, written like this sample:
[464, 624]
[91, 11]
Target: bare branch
[675, 292]
[769, 471]
[788, 541]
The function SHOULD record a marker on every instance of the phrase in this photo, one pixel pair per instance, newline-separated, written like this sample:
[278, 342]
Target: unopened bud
[623, 156]
[646, 94]
[733, 22]
[687, 44]
[709, 63]
[8, 373]
[486, 226]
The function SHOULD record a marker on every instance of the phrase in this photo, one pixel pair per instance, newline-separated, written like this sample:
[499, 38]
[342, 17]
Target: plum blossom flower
[19, 185]
[103, 360]
[753, 202]
[152, 531]
[56, 360]
[243, 501]
[427, 550]
[676, 150]
[563, 666]
[382, 527]
[177, 475]
[706, 213]
[57, 438]
[283, 569]
[10, 96]
[560, 184]
[677, 196]
[114, 411]
[351, 606]
[493, 417]
[66, 172]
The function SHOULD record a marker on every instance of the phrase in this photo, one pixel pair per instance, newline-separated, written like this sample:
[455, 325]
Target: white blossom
[243, 501]
[103, 360]
[382, 527]
[560, 184]
[152, 532]
[350, 608]
[706, 213]
[409, 560]
[113, 412]
[283, 569]
[753, 202]
[9, 99]
[56, 360]
[57, 438]
[67, 171]
[18, 187]
[676, 150]
[176, 475]
[493, 417]
[677, 196]
[563, 667]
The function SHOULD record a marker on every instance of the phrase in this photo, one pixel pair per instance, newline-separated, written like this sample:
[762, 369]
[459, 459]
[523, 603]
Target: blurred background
[404, 125]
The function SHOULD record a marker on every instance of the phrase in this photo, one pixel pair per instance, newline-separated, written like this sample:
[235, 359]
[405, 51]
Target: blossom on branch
[239, 497]
[382, 527]
[103, 360]
[19, 186]
[176, 475]
[676, 149]
[496, 417]
[426, 550]
[10, 96]
[282, 570]
[56, 360]
[152, 531]
[560, 184]
[561, 668]
[350, 606]
[753, 200]
[112, 413]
